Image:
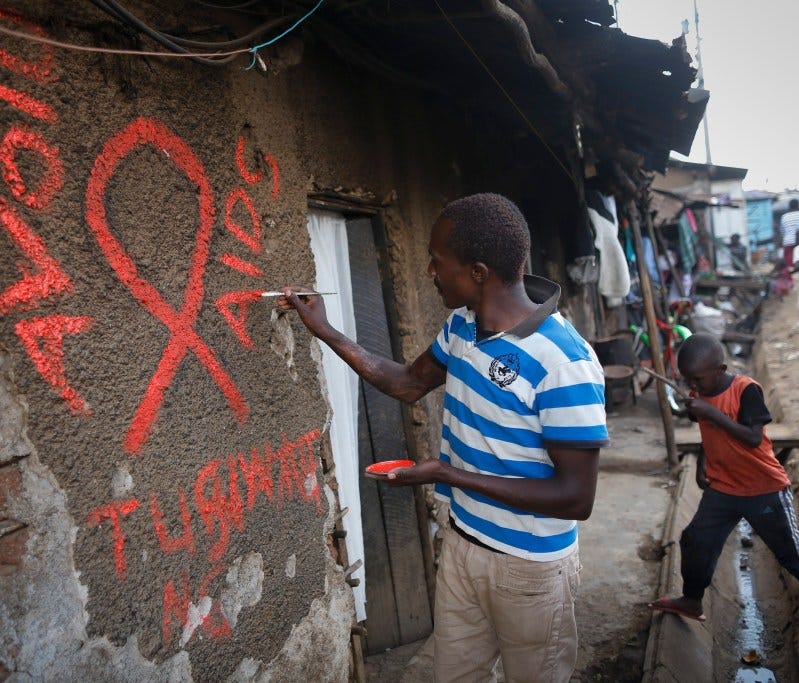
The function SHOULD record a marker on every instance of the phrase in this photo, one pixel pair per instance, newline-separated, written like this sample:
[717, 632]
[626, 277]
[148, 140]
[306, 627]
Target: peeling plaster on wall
[291, 566]
[310, 483]
[272, 245]
[316, 357]
[43, 614]
[104, 662]
[245, 581]
[324, 631]
[281, 341]
[318, 647]
[195, 617]
[330, 521]
[13, 440]
[121, 482]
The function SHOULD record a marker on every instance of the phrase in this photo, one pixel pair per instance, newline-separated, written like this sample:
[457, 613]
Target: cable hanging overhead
[208, 53]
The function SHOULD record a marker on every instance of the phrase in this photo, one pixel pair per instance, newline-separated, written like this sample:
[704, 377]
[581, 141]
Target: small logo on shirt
[504, 369]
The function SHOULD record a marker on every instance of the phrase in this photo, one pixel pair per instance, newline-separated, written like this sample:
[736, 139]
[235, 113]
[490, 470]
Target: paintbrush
[680, 391]
[268, 294]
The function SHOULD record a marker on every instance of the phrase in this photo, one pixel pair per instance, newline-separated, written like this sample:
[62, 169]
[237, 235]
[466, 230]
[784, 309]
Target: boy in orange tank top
[737, 470]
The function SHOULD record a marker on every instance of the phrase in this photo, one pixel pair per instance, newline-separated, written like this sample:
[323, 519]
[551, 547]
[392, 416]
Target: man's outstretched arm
[407, 383]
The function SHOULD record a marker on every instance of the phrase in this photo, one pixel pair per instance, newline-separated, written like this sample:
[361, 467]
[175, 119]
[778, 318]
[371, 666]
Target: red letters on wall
[41, 71]
[253, 177]
[249, 238]
[43, 339]
[225, 490]
[114, 511]
[42, 276]
[52, 180]
[171, 544]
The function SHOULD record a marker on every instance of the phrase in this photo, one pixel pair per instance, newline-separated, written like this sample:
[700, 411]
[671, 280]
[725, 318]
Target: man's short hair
[489, 228]
[793, 204]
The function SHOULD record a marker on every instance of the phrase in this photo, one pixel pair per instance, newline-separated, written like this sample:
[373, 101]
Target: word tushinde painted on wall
[226, 490]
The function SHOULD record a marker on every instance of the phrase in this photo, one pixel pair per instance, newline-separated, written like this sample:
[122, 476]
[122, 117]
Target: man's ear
[480, 272]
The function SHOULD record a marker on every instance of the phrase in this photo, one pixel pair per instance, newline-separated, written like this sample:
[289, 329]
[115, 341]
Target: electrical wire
[116, 10]
[507, 94]
[255, 49]
[218, 58]
[215, 5]
[115, 51]
[113, 8]
[215, 58]
[223, 44]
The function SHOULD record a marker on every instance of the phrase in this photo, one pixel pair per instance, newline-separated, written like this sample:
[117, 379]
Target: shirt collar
[543, 292]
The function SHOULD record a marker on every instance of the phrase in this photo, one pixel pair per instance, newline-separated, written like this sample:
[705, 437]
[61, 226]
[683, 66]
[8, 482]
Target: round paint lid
[381, 469]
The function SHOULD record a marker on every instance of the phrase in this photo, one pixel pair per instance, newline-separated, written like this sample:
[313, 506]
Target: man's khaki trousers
[490, 604]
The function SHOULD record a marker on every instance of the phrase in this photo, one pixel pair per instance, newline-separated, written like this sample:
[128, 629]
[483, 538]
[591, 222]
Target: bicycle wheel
[670, 342]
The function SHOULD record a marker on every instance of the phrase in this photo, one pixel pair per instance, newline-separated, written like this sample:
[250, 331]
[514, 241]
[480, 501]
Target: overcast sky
[750, 55]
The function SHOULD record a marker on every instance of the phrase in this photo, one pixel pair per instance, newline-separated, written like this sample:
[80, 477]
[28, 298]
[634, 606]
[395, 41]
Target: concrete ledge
[678, 649]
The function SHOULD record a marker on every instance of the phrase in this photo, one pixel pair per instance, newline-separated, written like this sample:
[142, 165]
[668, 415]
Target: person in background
[523, 422]
[738, 252]
[737, 471]
[789, 225]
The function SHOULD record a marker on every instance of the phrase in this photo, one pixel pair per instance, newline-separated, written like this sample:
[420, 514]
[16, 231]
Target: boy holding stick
[736, 469]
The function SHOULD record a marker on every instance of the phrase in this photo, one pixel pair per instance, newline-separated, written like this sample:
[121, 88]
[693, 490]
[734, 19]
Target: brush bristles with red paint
[266, 294]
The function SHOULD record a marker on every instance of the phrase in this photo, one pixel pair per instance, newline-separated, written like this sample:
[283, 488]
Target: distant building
[760, 223]
[716, 195]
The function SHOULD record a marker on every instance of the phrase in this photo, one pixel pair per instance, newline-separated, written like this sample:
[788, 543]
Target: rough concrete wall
[165, 514]
[412, 167]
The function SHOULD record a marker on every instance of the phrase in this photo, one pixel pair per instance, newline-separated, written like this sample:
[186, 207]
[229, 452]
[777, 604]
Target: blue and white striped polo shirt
[507, 398]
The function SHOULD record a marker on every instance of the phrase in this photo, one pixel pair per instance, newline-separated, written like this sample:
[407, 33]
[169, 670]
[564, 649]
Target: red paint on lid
[386, 466]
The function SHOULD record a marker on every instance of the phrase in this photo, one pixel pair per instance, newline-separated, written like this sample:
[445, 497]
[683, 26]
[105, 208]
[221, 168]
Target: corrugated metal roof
[559, 60]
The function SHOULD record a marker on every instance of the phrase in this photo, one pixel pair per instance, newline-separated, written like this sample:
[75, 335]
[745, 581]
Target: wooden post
[654, 338]
[657, 240]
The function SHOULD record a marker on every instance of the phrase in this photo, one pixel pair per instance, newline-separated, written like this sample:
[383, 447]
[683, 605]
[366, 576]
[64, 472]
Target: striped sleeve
[440, 346]
[789, 225]
[570, 401]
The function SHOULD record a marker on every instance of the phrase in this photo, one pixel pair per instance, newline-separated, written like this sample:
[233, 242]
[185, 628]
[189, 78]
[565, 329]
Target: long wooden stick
[680, 391]
[654, 339]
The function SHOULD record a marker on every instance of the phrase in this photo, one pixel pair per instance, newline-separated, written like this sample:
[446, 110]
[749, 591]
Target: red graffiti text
[224, 489]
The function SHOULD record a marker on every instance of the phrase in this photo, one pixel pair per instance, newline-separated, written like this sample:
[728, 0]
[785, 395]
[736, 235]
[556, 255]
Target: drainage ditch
[752, 640]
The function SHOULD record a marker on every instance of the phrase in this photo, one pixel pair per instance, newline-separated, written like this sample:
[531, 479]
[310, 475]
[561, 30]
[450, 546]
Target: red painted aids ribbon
[183, 336]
